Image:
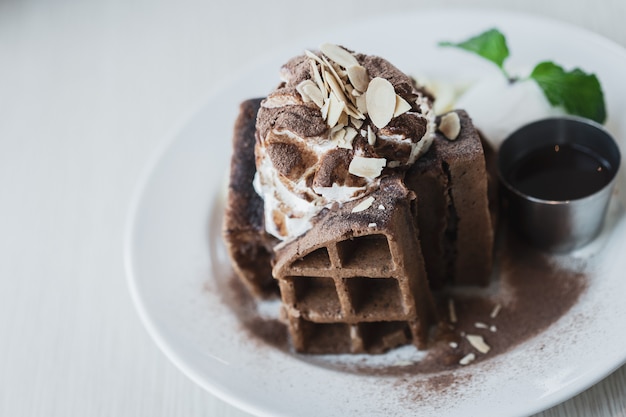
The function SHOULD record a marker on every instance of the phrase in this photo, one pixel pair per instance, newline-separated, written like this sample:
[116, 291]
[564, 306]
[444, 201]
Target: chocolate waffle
[356, 281]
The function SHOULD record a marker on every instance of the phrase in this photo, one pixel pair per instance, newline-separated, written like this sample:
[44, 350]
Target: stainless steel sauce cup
[557, 225]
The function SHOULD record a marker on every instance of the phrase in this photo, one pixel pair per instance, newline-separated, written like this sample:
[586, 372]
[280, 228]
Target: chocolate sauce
[560, 172]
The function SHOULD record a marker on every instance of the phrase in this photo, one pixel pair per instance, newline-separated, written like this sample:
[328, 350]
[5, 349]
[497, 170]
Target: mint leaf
[490, 45]
[578, 92]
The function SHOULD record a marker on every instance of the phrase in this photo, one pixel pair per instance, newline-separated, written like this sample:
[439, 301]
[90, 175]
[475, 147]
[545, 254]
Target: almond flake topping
[381, 101]
[363, 205]
[338, 134]
[358, 78]
[402, 106]
[496, 311]
[337, 72]
[324, 109]
[357, 123]
[318, 78]
[467, 359]
[371, 136]
[344, 138]
[346, 96]
[451, 310]
[335, 87]
[310, 92]
[361, 103]
[339, 55]
[335, 108]
[314, 57]
[366, 167]
[350, 135]
[450, 125]
[478, 343]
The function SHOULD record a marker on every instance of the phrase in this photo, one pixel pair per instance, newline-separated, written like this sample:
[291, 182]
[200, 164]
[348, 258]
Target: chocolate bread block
[250, 247]
[455, 223]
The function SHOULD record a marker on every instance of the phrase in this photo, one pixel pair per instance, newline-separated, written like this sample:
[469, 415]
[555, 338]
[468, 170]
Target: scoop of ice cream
[338, 122]
[499, 107]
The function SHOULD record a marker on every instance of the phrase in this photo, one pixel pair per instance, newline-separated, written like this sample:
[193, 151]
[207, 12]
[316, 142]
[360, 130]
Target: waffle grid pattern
[357, 294]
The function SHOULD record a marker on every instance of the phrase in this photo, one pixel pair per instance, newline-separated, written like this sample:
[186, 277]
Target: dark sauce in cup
[560, 172]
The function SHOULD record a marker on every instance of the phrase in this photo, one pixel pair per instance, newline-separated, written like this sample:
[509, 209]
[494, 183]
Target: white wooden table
[88, 90]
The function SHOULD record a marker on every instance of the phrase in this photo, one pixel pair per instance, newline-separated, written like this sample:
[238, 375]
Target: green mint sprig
[577, 92]
[491, 45]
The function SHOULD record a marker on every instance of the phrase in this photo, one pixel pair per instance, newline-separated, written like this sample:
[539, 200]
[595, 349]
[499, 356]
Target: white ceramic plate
[178, 270]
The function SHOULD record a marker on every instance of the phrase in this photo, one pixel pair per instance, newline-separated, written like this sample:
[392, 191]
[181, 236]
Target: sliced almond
[495, 311]
[371, 136]
[318, 78]
[315, 94]
[310, 92]
[348, 89]
[361, 103]
[350, 134]
[343, 141]
[353, 112]
[451, 311]
[342, 73]
[381, 101]
[450, 125]
[337, 134]
[335, 109]
[402, 106]
[349, 94]
[343, 117]
[313, 56]
[358, 77]
[478, 343]
[366, 167]
[331, 68]
[356, 122]
[324, 109]
[336, 129]
[363, 205]
[467, 359]
[339, 55]
[335, 86]
[300, 90]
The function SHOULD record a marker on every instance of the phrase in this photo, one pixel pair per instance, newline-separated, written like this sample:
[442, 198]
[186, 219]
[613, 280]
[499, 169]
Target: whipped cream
[317, 144]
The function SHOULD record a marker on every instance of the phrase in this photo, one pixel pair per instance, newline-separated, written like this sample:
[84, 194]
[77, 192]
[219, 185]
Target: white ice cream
[499, 107]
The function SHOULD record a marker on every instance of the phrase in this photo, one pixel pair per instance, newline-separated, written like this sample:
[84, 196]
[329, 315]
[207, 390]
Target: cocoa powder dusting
[532, 290]
[259, 330]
